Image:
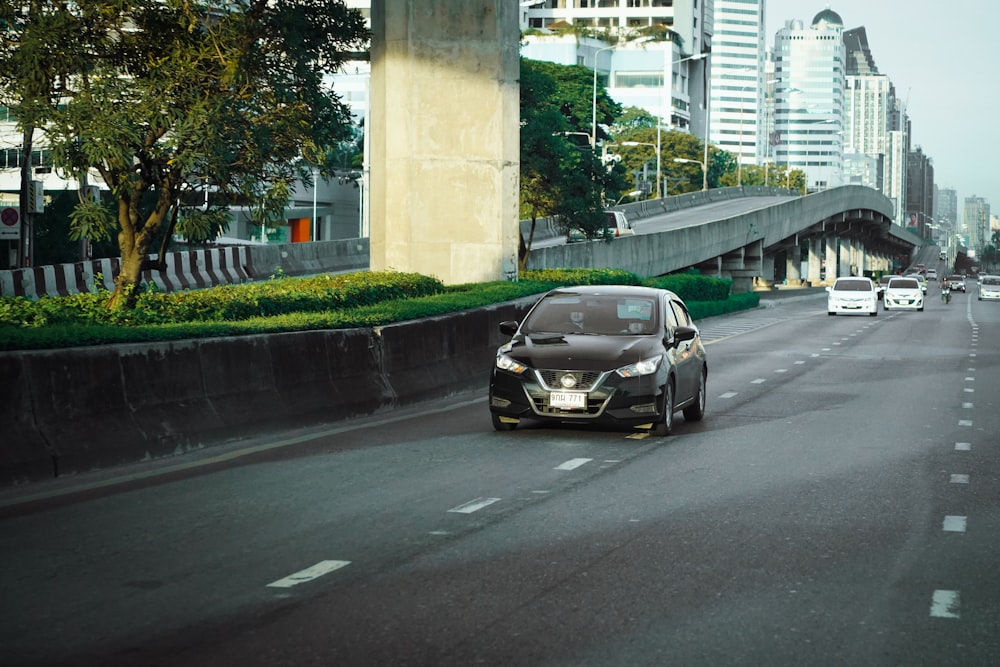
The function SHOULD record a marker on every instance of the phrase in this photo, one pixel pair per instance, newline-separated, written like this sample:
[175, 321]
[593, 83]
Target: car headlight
[510, 364]
[644, 367]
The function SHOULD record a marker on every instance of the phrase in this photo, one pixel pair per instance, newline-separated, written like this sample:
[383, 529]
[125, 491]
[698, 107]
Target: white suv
[852, 295]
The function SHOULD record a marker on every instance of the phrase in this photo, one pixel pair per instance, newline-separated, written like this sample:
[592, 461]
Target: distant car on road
[882, 283]
[903, 293]
[957, 282]
[616, 355]
[852, 295]
[989, 288]
[931, 274]
[919, 277]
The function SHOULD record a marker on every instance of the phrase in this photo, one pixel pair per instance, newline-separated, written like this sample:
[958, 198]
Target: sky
[944, 56]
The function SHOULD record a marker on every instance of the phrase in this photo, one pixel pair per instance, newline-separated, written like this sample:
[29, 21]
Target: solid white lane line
[572, 464]
[473, 505]
[310, 573]
[945, 604]
[954, 524]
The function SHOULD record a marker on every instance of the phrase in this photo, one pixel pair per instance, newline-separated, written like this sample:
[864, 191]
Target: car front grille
[585, 380]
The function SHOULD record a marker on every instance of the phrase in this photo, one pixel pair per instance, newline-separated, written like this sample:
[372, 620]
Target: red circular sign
[8, 216]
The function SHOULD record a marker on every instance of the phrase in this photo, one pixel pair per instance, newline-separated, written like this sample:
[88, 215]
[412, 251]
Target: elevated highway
[751, 235]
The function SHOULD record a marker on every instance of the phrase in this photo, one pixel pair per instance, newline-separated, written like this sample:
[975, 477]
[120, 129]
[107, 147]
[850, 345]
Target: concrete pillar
[444, 146]
[793, 272]
[832, 267]
[815, 261]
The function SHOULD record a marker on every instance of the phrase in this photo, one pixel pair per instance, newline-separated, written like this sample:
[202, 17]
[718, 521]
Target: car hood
[582, 351]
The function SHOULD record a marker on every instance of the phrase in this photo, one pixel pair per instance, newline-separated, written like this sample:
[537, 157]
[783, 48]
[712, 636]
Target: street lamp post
[668, 87]
[593, 108]
[704, 171]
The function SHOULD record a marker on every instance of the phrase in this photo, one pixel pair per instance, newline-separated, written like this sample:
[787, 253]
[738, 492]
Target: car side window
[681, 315]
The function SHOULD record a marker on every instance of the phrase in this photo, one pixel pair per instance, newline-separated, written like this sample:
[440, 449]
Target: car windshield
[989, 280]
[952, 279]
[856, 285]
[905, 283]
[568, 313]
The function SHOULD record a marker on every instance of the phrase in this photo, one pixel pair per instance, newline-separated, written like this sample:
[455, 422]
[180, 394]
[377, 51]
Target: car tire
[874, 313]
[502, 425]
[920, 309]
[695, 412]
[665, 426]
[830, 312]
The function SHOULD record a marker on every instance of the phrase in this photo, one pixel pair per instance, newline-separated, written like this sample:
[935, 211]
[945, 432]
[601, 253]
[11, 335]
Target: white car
[989, 288]
[903, 293]
[931, 274]
[852, 295]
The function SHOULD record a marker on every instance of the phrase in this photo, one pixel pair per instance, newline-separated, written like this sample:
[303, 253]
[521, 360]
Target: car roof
[613, 290]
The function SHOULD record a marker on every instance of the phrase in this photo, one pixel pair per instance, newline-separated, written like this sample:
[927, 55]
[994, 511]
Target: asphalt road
[837, 506]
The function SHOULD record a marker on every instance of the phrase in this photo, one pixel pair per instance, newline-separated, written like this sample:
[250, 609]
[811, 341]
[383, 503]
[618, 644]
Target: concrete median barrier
[69, 411]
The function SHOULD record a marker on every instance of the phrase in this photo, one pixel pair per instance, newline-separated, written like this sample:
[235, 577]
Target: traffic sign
[10, 223]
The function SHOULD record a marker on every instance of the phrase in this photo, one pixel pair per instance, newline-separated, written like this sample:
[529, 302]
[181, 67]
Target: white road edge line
[572, 464]
[473, 505]
[310, 573]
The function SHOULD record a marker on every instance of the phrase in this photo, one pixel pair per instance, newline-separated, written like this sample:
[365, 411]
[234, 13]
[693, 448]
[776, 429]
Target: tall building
[946, 208]
[920, 192]
[868, 98]
[976, 216]
[736, 109]
[635, 72]
[809, 83]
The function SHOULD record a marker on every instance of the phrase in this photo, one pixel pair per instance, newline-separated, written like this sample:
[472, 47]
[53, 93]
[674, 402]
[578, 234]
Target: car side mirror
[682, 334]
[508, 327]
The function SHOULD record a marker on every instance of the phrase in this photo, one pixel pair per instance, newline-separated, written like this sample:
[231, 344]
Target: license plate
[567, 400]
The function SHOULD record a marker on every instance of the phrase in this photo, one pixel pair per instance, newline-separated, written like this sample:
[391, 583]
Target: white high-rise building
[809, 81]
[737, 82]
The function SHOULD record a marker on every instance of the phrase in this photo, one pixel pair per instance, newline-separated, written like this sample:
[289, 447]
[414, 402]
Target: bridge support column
[444, 147]
[815, 261]
[793, 270]
[832, 262]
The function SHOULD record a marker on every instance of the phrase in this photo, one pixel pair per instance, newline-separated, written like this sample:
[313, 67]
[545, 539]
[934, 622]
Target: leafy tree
[560, 175]
[174, 97]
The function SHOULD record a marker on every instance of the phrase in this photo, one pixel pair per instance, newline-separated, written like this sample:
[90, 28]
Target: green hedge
[362, 299]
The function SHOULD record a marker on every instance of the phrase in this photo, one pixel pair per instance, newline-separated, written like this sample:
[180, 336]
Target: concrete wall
[69, 411]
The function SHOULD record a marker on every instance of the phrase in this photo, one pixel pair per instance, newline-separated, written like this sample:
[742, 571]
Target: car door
[686, 356]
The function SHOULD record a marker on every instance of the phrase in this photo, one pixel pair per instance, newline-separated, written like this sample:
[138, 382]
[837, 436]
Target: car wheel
[694, 413]
[665, 426]
[502, 425]
[874, 313]
[830, 312]
[921, 309]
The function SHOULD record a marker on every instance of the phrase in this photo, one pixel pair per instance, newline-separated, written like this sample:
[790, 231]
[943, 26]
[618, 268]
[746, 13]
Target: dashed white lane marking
[473, 505]
[944, 604]
[758, 381]
[967, 406]
[963, 446]
[965, 422]
[310, 573]
[954, 524]
[969, 390]
[572, 464]
[970, 379]
[728, 394]
[800, 361]
[959, 479]
[781, 370]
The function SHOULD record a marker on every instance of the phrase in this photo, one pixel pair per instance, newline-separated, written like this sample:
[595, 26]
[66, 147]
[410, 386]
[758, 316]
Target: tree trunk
[524, 248]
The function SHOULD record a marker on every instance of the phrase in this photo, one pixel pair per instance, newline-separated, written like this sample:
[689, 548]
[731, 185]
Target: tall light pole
[668, 87]
[593, 108]
[704, 170]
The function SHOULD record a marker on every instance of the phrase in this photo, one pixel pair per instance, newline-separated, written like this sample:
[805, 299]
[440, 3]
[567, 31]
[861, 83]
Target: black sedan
[617, 355]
